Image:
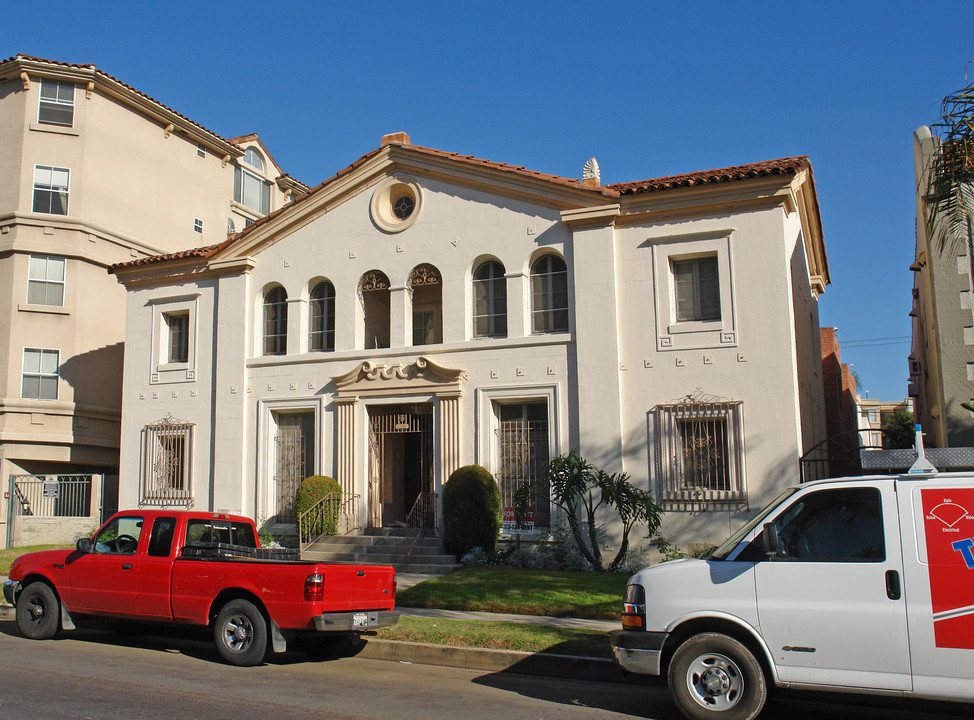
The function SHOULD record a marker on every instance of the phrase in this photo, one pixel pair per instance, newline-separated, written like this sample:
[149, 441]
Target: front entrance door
[400, 461]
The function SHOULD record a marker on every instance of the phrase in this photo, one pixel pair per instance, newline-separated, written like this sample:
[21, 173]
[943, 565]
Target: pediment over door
[423, 375]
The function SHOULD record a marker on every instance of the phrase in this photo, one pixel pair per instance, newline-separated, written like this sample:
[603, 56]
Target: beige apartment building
[84, 161]
[942, 351]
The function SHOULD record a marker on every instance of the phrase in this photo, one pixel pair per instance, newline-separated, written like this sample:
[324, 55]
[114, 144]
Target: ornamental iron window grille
[523, 451]
[167, 463]
[426, 288]
[373, 292]
[700, 453]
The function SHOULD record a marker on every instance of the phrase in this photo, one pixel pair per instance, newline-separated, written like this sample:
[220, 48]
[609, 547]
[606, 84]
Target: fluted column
[450, 450]
[345, 450]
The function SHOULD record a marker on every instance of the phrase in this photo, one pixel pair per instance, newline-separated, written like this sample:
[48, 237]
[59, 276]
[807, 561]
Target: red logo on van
[948, 521]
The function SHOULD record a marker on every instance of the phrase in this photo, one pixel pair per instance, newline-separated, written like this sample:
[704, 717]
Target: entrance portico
[397, 437]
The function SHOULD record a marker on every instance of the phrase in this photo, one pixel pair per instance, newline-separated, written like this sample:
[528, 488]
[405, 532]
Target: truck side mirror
[769, 540]
[84, 545]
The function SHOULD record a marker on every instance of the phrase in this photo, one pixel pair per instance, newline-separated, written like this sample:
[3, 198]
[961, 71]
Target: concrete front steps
[385, 546]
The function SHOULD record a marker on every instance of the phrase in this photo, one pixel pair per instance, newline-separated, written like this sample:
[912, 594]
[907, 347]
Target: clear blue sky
[649, 88]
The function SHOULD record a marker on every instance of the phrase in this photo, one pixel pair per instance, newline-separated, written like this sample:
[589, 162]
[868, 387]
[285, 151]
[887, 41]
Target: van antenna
[922, 466]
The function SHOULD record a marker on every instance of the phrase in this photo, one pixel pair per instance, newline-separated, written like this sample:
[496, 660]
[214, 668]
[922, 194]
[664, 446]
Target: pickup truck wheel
[240, 633]
[38, 612]
[714, 676]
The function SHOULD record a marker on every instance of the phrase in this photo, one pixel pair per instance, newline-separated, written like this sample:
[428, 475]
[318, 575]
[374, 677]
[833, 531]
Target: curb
[468, 658]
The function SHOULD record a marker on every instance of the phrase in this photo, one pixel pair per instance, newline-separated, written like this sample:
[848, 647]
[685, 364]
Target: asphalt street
[98, 674]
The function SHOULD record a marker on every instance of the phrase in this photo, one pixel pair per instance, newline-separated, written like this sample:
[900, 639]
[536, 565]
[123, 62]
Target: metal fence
[53, 496]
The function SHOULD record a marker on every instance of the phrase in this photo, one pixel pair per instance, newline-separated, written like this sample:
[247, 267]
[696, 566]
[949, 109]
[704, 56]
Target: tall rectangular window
[45, 280]
[40, 376]
[697, 288]
[56, 106]
[51, 189]
[250, 190]
[178, 327]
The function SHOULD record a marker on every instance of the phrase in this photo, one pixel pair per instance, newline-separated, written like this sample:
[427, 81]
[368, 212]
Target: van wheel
[714, 676]
[240, 633]
[38, 612]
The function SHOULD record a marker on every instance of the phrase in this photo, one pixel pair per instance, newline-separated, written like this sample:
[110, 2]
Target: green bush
[311, 492]
[471, 511]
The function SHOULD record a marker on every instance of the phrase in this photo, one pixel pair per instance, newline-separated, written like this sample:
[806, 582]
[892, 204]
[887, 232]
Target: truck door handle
[892, 585]
[127, 566]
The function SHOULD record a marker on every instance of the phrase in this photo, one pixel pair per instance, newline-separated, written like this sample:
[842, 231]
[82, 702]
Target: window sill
[46, 309]
[248, 212]
[57, 129]
[695, 327]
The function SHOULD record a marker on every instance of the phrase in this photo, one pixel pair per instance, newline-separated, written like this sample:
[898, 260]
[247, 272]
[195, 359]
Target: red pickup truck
[202, 569]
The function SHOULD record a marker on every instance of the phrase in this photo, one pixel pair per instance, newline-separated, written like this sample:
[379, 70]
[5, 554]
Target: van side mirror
[84, 545]
[769, 540]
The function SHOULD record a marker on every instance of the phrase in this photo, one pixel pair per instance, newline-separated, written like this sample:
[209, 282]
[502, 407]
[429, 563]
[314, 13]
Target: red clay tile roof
[740, 172]
[517, 169]
[200, 252]
[781, 166]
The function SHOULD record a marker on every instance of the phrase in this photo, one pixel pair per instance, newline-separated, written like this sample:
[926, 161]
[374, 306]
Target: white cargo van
[861, 584]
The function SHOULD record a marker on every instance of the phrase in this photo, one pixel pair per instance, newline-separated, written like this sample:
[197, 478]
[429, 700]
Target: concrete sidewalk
[485, 659]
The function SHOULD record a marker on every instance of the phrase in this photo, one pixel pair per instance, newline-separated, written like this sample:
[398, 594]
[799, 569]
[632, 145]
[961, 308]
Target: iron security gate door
[294, 441]
[400, 460]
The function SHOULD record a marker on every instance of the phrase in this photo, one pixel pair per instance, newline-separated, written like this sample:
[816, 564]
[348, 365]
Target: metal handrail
[331, 513]
[421, 516]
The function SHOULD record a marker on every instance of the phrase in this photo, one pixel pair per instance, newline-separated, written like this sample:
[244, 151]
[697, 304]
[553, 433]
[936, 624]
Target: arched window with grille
[373, 291]
[549, 295]
[321, 336]
[426, 288]
[489, 300]
[275, 322]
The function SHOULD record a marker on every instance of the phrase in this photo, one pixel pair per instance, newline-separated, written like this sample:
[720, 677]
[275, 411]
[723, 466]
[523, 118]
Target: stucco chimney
[590, 173]
[396, 138]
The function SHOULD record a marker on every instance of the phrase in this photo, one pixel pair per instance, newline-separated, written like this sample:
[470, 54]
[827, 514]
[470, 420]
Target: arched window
[322, 334]
[373, 291]
[275, 322]
[426, 287]
[253, 158]
[549, 295]
[489, 300]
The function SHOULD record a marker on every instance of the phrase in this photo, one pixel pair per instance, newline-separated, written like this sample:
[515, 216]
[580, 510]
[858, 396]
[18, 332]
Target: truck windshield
[727, 547]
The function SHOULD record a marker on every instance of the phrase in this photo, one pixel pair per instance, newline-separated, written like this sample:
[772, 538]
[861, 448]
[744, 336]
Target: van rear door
[830, 601]
[938, 556]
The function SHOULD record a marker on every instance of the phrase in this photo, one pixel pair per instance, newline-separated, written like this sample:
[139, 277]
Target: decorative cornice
[423, 375]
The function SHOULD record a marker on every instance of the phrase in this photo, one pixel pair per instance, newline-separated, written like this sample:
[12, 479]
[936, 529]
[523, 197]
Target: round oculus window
[403, 207]
[396, 204]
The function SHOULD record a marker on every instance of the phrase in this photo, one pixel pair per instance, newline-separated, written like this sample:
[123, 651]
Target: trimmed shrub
[311, 491]
[471, 511]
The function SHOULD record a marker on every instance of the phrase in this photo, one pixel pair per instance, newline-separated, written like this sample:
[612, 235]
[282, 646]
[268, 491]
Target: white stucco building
[423, 310]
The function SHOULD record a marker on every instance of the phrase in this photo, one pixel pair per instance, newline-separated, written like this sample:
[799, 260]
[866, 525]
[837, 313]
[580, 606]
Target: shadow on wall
[96, 376]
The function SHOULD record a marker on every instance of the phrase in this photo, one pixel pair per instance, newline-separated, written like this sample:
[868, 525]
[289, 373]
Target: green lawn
[8, 556]
[492, 588]
[499, 636]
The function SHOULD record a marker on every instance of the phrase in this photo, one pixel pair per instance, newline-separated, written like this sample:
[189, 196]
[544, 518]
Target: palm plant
[950, 188]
